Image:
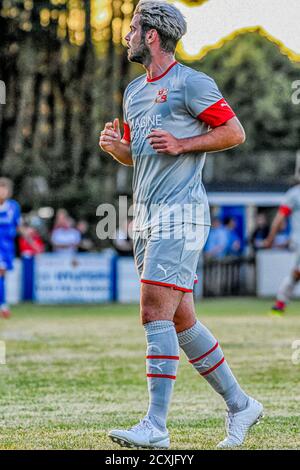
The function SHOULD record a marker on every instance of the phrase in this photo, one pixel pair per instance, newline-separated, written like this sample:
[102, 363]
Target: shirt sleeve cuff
[285, 210]
[217, 114]
[126, 135]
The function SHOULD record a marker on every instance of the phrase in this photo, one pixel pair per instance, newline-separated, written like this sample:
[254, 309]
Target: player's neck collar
[163, 74]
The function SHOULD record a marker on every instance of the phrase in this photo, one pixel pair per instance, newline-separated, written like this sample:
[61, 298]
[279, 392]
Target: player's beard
[141, 54]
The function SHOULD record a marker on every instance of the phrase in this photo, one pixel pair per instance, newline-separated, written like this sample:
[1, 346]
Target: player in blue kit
[173, 115]
[9, 222]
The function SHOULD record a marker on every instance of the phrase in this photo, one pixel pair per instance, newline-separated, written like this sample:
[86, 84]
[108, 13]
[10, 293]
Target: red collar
[163, 74]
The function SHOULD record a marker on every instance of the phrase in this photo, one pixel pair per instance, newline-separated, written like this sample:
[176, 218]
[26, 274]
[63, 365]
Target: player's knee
[184, 323]
[148, 313]
[296, 275]
[178, 321]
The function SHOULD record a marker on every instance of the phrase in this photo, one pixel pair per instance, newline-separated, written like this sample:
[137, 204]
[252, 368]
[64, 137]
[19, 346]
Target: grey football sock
[162, 362]
[205, 354]
[286, 289]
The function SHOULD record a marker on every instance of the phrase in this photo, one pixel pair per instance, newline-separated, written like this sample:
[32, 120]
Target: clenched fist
[110, 136]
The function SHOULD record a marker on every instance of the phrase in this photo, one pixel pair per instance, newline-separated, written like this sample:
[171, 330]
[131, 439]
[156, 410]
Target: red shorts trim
[164, 284]
[162, 376]
[213, 368]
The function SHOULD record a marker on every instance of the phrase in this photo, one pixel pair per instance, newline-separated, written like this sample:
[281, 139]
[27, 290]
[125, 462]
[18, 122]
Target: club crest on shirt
[162, 95]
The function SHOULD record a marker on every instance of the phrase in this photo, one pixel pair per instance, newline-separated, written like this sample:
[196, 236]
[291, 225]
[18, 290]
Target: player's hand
[110, 136]
[164, 142]
[267, 243]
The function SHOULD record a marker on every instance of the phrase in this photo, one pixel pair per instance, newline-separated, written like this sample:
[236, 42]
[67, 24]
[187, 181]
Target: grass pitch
[74, 372]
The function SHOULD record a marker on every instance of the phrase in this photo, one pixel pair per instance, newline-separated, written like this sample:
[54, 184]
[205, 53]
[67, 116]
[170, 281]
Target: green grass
[75, 372]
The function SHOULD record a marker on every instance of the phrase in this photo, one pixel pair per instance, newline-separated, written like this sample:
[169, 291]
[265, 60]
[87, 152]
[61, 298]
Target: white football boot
[238, 424]
[144, 434]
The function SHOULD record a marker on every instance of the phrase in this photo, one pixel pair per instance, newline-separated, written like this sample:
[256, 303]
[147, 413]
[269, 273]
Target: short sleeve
[205, 102]
[288, 203]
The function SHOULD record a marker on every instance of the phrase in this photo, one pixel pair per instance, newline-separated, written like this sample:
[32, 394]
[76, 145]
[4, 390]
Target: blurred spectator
[261, 232]
[233, 240]
[30, 241]
[65, 238]
[216, 245]
[60, 218]
[123, 241]
[86, 243]
[282, 238]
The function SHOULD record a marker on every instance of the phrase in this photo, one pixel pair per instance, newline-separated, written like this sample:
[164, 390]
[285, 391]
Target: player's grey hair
[6, 183]
[165, 18]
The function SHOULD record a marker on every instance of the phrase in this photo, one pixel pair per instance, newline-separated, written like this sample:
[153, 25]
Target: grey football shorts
[169, 257]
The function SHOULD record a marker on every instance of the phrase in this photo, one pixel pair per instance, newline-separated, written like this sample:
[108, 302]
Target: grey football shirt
[291, 206]
[185, 103]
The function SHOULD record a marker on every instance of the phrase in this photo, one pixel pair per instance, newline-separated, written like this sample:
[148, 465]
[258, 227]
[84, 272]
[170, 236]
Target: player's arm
[228, 135]
[283, 212]
[111, 142]
[204, 102]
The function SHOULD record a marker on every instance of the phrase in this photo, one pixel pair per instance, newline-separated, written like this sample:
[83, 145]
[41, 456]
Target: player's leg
[2, 288]
[4, 310]
[158, 306]
[285, 291]
[205, 354]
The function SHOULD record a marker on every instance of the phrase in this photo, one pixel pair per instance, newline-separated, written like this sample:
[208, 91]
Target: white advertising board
[128, 284]
[272, 266]
[80, 278]
[14, 283]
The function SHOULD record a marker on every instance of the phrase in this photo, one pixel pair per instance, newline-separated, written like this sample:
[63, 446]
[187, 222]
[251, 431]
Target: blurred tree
[66, 68]
[257, 81]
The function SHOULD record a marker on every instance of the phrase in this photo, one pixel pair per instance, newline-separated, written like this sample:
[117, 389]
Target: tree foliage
[65, 67]
[257, 81]
[65, 70]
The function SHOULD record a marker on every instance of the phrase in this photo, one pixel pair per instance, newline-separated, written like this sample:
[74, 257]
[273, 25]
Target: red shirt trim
[126, 135]
[285, 210]
[217, 114]
[163, 74]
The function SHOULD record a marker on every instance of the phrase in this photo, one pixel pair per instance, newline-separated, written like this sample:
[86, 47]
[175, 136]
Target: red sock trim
[280, 304]
[192, 361]
[174, 358]
[162, 376]
[213, 368]
[164, 284]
